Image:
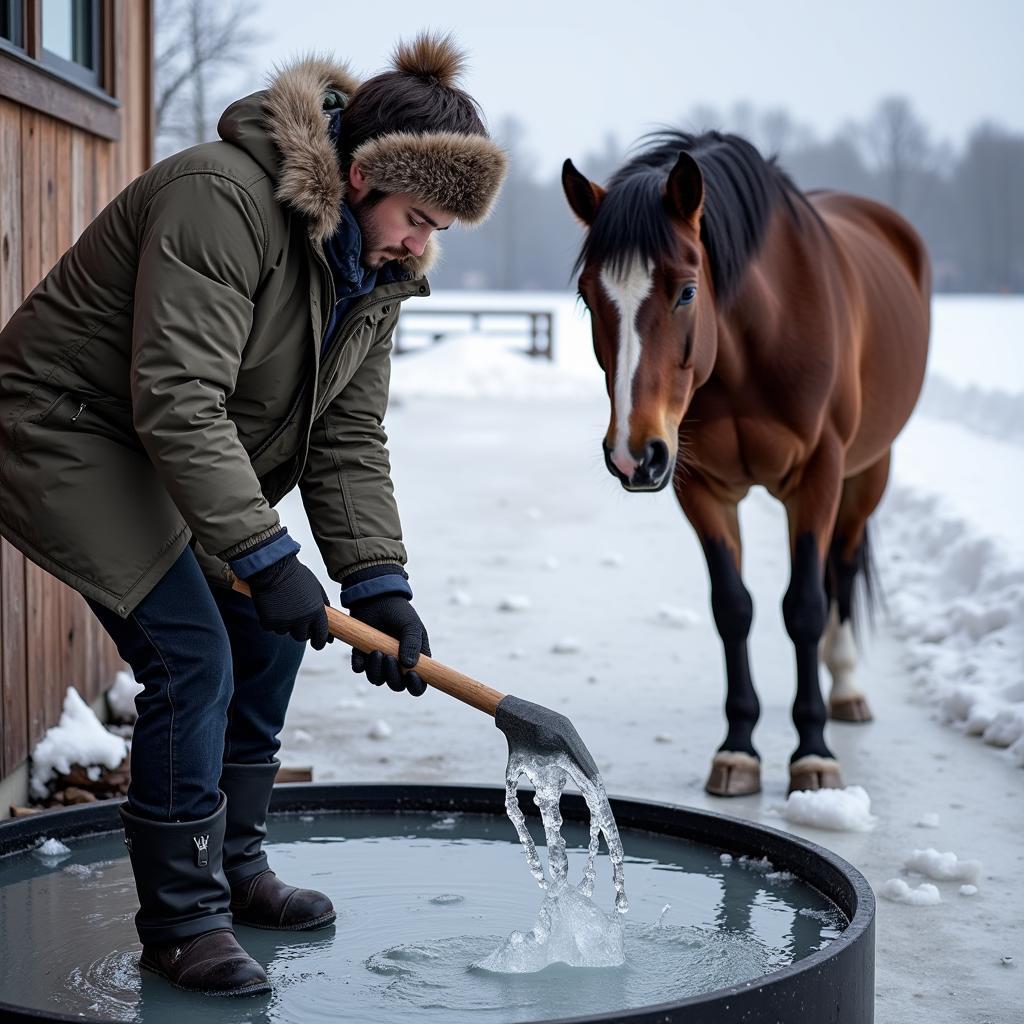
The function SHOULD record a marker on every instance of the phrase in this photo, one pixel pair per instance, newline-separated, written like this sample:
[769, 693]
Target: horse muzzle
[651, 472]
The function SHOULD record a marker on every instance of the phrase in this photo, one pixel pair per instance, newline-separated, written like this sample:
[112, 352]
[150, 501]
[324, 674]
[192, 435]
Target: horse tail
[867, 597]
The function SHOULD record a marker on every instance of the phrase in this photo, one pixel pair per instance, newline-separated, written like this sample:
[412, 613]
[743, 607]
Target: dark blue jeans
[217, 687]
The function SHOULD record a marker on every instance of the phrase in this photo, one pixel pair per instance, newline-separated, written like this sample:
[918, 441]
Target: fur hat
[457, 172]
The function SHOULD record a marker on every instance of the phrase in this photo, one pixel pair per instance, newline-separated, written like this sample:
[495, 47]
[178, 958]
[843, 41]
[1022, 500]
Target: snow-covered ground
[536, 573]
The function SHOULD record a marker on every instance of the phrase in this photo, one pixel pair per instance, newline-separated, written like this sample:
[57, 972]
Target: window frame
[37, 78]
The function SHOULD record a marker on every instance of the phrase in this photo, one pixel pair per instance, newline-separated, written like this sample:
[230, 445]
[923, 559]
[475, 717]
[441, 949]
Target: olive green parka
[164, 383]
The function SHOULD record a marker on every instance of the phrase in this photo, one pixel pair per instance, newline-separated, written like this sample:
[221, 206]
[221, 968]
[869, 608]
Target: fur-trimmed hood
[285, 128]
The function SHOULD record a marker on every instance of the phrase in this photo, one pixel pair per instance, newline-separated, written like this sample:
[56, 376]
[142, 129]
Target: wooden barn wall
[55, 178]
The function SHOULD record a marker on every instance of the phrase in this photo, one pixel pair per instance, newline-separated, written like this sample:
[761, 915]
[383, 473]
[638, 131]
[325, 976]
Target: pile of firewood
[76, 787]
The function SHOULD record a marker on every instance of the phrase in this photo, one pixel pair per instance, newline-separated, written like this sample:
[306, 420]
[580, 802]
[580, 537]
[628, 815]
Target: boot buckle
[202, 850]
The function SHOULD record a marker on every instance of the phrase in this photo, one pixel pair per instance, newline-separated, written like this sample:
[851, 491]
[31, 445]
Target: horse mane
[741, 190]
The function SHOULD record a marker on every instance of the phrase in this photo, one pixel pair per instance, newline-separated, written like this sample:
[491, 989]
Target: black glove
[289, 599]
[392, 614]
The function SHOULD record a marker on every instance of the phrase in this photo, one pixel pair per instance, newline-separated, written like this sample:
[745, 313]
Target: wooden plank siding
[54, 178]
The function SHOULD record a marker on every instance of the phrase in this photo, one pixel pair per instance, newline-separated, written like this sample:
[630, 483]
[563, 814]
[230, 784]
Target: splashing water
[570, 927]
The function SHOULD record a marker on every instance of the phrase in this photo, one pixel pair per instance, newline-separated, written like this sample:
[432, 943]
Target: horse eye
[689, 293]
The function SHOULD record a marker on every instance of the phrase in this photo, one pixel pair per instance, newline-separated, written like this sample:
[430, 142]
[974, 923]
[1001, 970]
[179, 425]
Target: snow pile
[943, 867]
[957, 597]
[951, 546]
[925, 895]
[968, 890]
[840, 810]
[121, 697]
[78, 738]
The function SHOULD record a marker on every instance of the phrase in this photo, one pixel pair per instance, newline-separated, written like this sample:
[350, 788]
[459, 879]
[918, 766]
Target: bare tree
[897, 146]
[197, 42]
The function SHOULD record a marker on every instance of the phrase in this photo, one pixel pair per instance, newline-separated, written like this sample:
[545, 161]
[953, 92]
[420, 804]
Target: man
[218, 335]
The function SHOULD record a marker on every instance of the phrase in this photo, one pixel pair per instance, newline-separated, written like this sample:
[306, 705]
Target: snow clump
[943, 867]
[121, 697]
[78, 738]
[840, 810]
[925, 895]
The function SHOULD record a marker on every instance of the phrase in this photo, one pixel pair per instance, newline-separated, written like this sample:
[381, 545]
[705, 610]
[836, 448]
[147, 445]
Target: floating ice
[840, 810]
[968, 890]
[447, 899]
[662, 737]
[571, 929]
[460, 598]
[925, 895]
[350, 704]
[929, 820]
[725, 858]
[78, 738]
[943, 867]
[380, 730]
[514, 603]
[301, 736]
[52, 848]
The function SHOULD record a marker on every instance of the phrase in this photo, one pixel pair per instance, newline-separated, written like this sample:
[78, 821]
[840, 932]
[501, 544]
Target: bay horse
[751, 333]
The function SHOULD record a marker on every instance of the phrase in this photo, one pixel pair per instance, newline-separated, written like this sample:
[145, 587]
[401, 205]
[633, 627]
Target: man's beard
[374, 254]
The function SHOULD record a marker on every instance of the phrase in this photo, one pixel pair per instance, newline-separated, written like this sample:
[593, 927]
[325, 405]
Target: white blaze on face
[628, 291]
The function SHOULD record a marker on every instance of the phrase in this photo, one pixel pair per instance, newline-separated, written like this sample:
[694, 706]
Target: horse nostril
[656, 459]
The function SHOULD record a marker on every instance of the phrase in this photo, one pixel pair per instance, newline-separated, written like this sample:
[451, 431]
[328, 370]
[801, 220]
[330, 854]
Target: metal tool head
[533, 727]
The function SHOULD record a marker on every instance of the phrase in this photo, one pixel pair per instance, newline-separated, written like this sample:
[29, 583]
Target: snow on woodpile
[78, 738]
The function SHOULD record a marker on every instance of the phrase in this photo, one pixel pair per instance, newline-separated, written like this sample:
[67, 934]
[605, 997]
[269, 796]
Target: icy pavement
[512, 497]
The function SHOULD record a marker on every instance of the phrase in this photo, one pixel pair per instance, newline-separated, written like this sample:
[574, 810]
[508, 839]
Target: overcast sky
[574, 72]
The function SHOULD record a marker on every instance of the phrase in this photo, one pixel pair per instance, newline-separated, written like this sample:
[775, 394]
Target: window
[57, 57]
[70, 39]
[12, 23]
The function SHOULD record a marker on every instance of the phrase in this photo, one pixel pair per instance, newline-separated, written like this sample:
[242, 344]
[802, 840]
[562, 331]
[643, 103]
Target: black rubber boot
[184, 918]
[258, 897]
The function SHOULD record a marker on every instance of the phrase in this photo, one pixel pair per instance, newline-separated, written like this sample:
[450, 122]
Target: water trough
[400, 858]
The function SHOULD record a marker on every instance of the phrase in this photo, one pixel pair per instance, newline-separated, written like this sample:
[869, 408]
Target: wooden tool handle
[441, 677]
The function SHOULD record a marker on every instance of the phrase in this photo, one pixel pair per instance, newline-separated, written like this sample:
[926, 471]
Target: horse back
[885, 318]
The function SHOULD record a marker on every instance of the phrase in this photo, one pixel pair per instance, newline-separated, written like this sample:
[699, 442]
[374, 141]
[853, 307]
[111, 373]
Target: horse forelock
[742, 190]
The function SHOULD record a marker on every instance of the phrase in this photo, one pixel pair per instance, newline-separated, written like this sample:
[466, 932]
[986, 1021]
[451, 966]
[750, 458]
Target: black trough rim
[787, 987]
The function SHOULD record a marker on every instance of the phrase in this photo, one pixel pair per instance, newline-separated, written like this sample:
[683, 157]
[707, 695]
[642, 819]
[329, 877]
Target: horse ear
[684, 190]
[584, 196]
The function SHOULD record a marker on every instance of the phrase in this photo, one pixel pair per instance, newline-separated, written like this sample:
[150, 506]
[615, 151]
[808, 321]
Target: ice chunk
[925, 895]
[571, 929]
[840, 810]
[725, 858]
[929, 820]
[514, 603]
[78, 738]
[612, 560]
[460, 599]
[968, 890]
[52, 848]
[943, 867]
[550, 563]
[301, 736]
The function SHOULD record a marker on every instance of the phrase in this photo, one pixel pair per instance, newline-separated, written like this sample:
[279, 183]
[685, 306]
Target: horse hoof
[850, 709]
[734, 773]
[813, 772]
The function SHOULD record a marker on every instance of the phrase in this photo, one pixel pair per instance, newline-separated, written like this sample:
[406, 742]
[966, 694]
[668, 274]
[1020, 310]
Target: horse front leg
[811, 508]
[736, 767]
